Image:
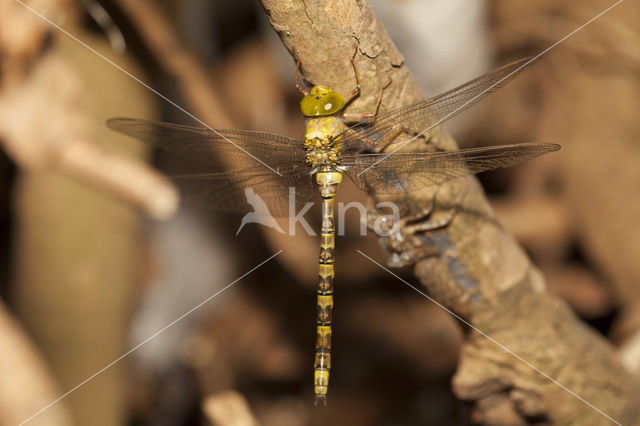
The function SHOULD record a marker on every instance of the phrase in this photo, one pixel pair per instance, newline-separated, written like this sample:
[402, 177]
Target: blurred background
[88, 271]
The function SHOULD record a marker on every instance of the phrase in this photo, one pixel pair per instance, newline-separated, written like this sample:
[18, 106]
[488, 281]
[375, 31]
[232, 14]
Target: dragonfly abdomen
[328, 182]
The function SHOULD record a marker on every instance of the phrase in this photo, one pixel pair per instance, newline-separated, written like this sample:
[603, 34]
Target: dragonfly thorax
[322, 141]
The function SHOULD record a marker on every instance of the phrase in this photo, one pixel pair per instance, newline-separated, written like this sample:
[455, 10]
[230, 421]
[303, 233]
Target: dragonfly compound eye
[321, 100]
[330, 103]
[309, 106]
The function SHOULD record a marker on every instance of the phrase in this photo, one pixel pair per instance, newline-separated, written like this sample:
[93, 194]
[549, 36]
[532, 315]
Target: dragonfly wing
[227, 191]
[237, 148]
[422, 117]
[407, 172]
[222, 163]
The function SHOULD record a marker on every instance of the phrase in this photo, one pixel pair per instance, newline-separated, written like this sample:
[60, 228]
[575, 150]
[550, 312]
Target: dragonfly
[276, 166]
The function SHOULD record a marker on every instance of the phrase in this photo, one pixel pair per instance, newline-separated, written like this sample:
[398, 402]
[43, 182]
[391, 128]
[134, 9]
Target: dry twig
[43, 121]
[177, 61]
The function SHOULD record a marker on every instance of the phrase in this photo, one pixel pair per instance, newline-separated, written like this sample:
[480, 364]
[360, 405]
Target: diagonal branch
[479, 269]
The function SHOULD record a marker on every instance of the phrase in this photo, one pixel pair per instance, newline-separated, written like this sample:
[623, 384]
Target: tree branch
[478, 269]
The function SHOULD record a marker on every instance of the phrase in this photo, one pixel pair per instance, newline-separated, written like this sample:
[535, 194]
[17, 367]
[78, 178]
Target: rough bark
[477, 268]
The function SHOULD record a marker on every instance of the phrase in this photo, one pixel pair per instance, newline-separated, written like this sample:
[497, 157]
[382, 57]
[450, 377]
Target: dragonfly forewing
[421, 117]
[407, 172]
[223, 164]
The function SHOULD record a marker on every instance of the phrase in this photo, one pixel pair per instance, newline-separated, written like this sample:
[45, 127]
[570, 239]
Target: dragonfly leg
[357, 118]
[387, 140]
[300, 89]
[352, 117]
[356, 90]
[384, 143]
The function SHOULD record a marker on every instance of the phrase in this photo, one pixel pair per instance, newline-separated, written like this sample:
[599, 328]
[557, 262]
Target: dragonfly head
[321, 100]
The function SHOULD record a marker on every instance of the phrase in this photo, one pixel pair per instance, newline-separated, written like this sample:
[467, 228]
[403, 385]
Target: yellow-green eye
[309, 106]
[330, 103]
[322, 100]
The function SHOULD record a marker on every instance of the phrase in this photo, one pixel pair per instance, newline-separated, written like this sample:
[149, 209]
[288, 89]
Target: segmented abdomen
[328, 182]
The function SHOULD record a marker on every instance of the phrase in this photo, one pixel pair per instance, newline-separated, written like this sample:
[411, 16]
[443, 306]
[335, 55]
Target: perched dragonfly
[329, 150]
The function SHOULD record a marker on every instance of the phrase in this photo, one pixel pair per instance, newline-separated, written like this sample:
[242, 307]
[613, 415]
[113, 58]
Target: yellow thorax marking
[322, 141]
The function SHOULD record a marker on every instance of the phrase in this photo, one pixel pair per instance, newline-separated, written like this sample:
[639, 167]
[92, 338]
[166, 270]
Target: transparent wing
[421, 117]
[406, 172]
[242, 147]
[225, 162]
[227, 191]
